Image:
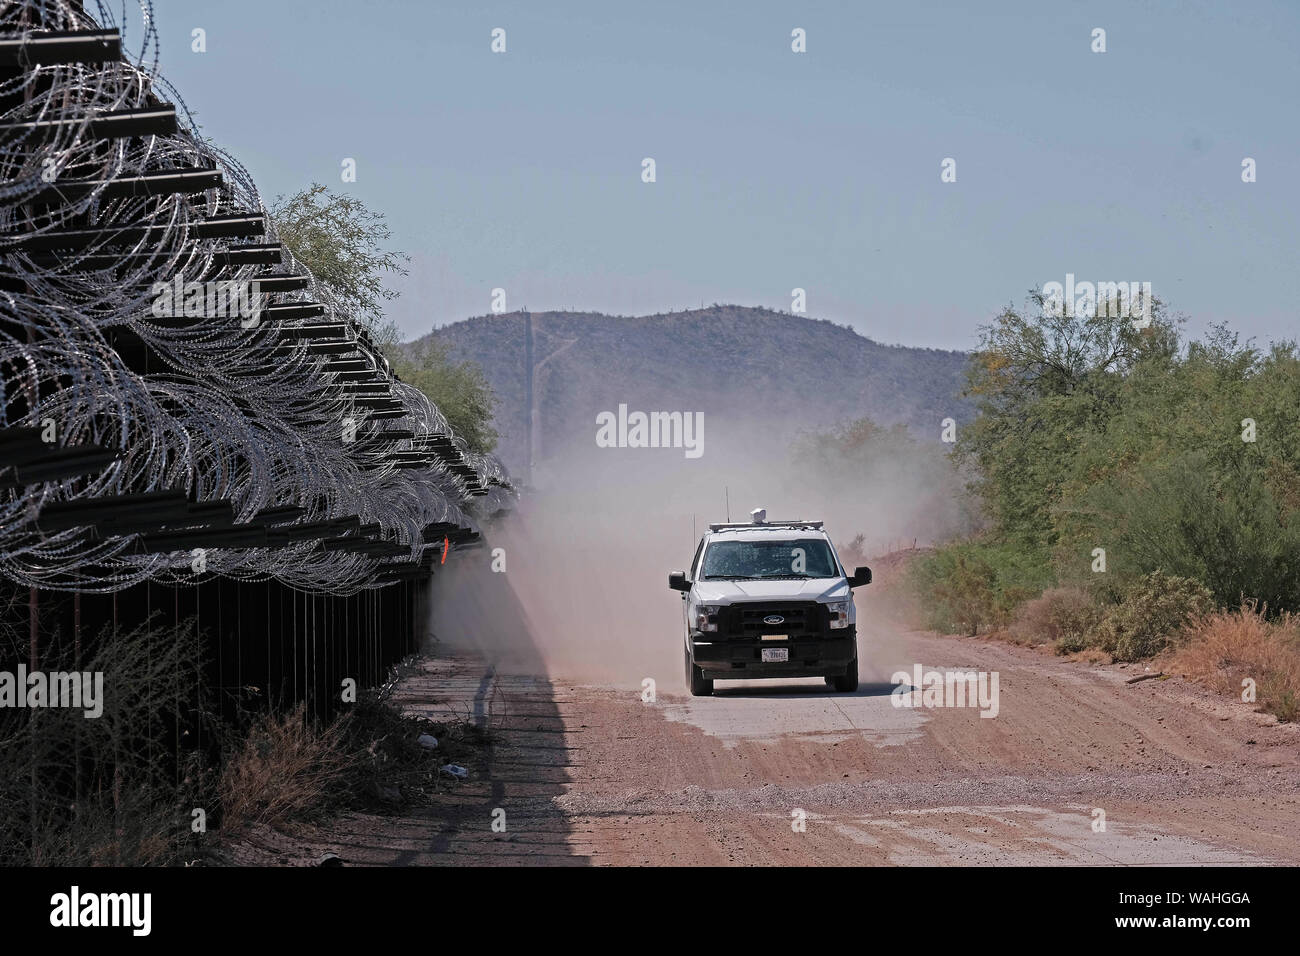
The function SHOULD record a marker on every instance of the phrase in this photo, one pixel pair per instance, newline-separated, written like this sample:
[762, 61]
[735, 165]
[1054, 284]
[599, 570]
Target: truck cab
[768, 599]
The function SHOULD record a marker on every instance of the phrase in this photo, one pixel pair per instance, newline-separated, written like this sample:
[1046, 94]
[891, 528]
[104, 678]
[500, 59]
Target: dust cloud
[587, 551]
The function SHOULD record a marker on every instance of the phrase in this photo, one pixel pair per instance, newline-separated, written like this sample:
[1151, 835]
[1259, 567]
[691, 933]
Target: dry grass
[286, 769]
[1063, 617]
[119, 790]
[1224, 648]
[116, 789]
[139, 831]
[290, 770]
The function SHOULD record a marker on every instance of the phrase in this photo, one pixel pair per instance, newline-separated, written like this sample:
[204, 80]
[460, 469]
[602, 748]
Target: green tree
[1173, 485]
[1042, 383]
[1091, 433]
[459, 389]
[1218, 524]
[342, 242]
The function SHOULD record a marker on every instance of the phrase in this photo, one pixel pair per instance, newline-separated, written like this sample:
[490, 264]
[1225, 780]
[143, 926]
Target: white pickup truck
[768, 599]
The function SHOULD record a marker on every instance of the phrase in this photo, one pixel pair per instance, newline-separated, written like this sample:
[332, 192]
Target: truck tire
[695, 679]
[847, 683]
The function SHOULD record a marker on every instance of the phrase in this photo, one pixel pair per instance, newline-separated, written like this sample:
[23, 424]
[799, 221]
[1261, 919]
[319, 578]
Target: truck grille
[745, 621]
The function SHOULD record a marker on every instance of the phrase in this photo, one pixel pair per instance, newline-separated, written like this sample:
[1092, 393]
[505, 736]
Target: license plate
[776, 654]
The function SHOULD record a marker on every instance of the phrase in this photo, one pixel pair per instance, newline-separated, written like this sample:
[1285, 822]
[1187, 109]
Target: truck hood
[789, 589]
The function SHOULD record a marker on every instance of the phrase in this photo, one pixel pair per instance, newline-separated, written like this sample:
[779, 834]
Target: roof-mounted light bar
[766, 526]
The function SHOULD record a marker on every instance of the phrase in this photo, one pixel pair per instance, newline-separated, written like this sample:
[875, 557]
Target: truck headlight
[839, 612]
[706, 617]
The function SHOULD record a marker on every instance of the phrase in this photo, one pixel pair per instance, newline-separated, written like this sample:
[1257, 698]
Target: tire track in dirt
[592, 774]
[1182, 777]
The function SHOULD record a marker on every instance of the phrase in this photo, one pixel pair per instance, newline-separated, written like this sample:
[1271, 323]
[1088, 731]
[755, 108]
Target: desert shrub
[1220, 524]
[136, 826]
[955, 592]
[287, 768]
[1063, 617]
[1091, 431]
[966, 587]
[1227, 647]
[116, 789]
[1151, 615]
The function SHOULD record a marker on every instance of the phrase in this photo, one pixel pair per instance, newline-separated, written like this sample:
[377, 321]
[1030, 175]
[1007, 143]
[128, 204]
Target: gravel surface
[789, 773]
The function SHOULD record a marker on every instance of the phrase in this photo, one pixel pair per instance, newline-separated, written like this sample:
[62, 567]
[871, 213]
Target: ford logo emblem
[774, 619]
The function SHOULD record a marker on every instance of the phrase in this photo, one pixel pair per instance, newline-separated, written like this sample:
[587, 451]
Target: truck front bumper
[828, 654]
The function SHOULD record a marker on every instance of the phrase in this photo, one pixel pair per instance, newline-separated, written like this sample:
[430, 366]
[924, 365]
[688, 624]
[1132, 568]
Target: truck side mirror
[859, 577]
[677, 581]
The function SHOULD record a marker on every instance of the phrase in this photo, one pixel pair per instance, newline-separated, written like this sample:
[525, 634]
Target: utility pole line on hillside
[531, 409]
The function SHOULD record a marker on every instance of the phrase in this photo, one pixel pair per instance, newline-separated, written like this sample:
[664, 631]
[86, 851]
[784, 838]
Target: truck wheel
[695, 679]
[849, 682]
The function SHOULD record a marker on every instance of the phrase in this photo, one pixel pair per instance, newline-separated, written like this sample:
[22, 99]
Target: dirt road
[595, 775]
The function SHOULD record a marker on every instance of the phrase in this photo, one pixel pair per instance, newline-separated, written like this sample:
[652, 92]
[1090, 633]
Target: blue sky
[778, 170]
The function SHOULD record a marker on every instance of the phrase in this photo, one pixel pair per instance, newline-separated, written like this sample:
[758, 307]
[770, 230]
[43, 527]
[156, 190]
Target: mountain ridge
[737, 362]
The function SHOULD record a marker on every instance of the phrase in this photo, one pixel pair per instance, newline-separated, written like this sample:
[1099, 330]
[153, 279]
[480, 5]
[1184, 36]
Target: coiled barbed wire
[221, 407]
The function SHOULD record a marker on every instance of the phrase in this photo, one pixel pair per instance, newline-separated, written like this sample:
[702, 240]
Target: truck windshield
[755, 560]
